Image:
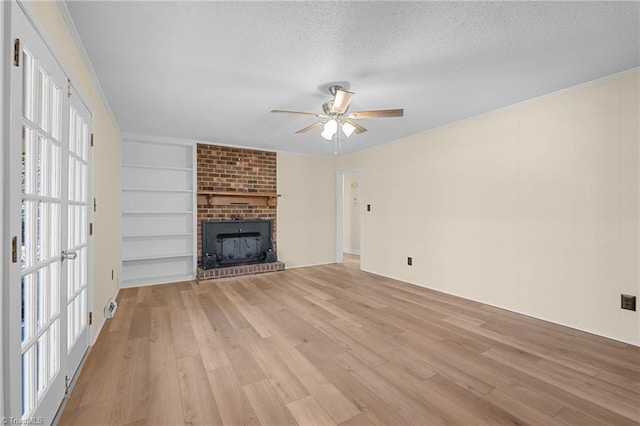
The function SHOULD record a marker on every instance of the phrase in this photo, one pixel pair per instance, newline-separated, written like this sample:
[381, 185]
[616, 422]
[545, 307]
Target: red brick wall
[238, 170]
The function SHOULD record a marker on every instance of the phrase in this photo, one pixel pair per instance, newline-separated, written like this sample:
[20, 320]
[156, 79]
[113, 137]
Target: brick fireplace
[232, 185]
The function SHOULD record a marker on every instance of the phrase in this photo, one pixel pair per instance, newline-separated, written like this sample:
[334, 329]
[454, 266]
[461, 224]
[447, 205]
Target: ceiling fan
[336, 116]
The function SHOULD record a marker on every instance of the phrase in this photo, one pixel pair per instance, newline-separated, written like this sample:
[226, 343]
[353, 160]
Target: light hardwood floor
[333, 345]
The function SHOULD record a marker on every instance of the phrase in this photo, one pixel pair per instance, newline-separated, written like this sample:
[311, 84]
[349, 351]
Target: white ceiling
[212, 71]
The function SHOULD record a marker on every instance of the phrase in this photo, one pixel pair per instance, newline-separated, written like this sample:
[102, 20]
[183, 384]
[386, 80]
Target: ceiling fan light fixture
[348, 129]
[330, 129]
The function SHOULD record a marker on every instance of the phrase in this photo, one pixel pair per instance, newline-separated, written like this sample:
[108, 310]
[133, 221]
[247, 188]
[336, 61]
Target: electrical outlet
[409, 261]
[628, 302]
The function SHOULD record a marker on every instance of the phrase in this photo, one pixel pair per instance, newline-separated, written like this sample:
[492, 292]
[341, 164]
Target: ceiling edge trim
[64, 10]
[517, 104]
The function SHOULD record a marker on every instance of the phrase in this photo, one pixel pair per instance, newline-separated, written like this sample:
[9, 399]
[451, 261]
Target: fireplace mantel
[227, 198]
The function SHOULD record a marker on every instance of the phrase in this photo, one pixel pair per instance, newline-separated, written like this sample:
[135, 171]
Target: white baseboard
[307, 266]
[351, 251]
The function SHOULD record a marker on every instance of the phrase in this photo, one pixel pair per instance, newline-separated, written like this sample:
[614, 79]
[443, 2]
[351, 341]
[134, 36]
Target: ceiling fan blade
[313, 126]
[378, 114]
[359, 128]
[296, 112]
[342, 101]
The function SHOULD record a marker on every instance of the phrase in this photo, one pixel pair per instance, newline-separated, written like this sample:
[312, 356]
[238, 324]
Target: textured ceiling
[212, 71]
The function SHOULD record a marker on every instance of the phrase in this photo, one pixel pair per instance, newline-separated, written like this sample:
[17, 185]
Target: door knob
[71, 255]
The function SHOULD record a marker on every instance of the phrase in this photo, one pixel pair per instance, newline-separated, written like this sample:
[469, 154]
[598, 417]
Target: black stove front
[230, 243]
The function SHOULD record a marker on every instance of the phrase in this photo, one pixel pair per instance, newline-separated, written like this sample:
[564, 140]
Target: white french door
[78, 210]
[49, 167]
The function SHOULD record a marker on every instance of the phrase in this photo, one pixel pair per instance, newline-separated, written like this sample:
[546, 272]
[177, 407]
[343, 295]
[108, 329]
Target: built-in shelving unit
[158, 204]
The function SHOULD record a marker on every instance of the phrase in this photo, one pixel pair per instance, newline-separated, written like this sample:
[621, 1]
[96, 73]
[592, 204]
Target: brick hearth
[235, 271]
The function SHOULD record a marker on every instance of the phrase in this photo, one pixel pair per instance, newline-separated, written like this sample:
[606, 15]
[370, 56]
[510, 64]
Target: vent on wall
[628, 302]
[111, 308]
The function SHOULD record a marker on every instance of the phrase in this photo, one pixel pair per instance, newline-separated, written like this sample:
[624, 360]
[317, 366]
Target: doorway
[349, 218]
[48, 209]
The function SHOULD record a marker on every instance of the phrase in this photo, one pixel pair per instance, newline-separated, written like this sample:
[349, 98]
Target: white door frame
[4, 134]
[340, 210]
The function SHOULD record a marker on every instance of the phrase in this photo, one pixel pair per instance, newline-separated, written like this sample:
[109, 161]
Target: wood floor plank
[359, 420]
[335, 345]
[411, 411]
[231, 313]
[518, 408]
[181, 330]
[252, 315]
[267, 406]
[307, 412]
[103, 367]
[283, 380]
[165, 399]
[198, 403]
[98, 413]
[376, 410]
[231, 400]
[209, 345]
[325, 393]
[131, 401]
[346, 341]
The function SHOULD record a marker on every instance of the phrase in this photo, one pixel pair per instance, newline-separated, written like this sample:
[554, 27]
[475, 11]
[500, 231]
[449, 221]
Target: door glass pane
[28, 381]
[40, 231]
[42, 378]
[41, 298]
[54, 349]
[28, 232]
[27, 160]
[56, 111]
[29, 92]
[45, 100]
[27, 307]
[55, 171]
[38, 166]
[54, 293]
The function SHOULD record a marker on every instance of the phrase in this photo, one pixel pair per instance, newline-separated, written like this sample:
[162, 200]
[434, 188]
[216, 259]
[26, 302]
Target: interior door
[47, 209]
[77, 195]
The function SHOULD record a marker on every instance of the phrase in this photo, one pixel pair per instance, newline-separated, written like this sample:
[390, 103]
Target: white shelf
[149, 166]
[156, 257]
[163, 279]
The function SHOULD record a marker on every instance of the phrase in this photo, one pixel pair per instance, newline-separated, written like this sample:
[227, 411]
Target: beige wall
[533, 208]
[106, 246]
[351, 213]
[306, 210]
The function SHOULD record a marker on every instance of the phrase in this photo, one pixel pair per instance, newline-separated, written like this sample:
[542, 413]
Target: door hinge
[68, 88]
[91, 139]
[90, 318]
[16, 52]
[91, 228]
[14, 249]
[95, 204]
[67, 382]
